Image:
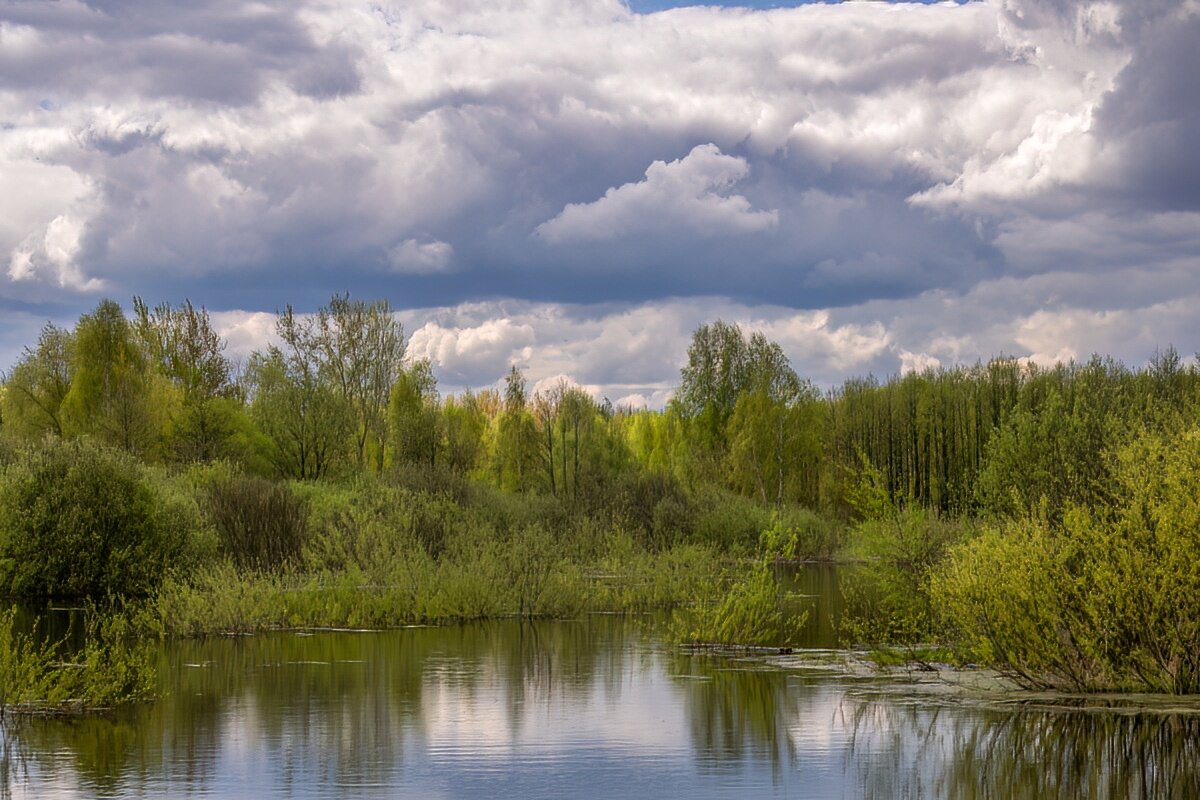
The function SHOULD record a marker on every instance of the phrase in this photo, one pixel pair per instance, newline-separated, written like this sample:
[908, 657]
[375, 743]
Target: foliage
[79, 519]
[260, 524]
[799, 535]
[111, 385]
[305, 420]
[1101, 601]
[416, 425]
[888, 596]
[748, 613]
[111, 669]
[38, 384]
[723, 363]
[356, 349]
[182, 344]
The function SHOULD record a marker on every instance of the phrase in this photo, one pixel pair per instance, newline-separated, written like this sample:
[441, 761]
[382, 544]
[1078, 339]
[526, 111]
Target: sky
[573, 186]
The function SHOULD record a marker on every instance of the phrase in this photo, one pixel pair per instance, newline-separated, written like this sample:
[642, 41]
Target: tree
[722, 365]
[307, 419]
[38, 384]
[185, 348]
[361, 348]
[465, 425]
[413, 415]
[516, 437]
[775, 446]
[110, 394]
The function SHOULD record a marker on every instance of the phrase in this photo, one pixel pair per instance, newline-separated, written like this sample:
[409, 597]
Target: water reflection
[955, 753]
[592, 708]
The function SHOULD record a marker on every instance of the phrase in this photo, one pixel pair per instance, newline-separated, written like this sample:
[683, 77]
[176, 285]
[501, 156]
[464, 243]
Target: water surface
[595, 707]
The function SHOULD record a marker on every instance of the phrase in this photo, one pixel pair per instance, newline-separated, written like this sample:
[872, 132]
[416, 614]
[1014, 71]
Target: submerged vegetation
[113, 667]
[1041, 520]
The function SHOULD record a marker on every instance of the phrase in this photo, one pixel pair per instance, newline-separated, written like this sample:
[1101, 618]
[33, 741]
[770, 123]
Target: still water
[596, 707]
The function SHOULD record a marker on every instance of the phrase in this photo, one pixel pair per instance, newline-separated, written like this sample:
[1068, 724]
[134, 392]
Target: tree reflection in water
[982, 753]
[333, 714]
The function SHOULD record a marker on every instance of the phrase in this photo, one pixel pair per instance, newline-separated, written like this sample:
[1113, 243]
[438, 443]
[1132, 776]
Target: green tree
[112, 392]
[187, 351]
[81, 519]
[723, 364]
[361, 348]
[414, 416]
[465, 425]
[37, 386]
[516, 451]
[306, 420]
[775, 446]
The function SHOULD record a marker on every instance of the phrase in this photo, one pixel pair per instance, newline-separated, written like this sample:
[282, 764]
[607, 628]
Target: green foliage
[306, 421]
[799, 535]
[260, 524]
[111, 669]
[516, 446]
[723, 364]
[34, 391]
[1102, 600]
[775, 446]
[414, 418]
[749, 612]
[112, 389]
[888, 596]
[79, 519]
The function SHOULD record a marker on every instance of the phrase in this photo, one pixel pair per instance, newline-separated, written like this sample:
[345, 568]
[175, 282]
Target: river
[596, 707]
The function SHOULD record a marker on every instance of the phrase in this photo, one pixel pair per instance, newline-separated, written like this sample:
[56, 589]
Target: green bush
[799, 535]
[79, 519]
[888, 599]
[110, 669]
[260, 524]
[1106, 599]
[749, 613]
[728, 521]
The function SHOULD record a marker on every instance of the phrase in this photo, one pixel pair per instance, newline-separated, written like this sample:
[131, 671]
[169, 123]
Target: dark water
[593, 708]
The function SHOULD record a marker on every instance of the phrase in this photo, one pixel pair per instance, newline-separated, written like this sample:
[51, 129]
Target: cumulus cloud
[888, 185]
[689, 194]
[48, 256]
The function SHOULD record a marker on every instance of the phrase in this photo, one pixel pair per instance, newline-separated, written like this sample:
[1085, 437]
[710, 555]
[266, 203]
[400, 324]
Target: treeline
[337, 396]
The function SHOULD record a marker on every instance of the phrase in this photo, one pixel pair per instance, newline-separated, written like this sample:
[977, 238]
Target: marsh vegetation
[1039, 520]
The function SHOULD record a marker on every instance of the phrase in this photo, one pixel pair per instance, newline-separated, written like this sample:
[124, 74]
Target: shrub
[260, 524]
[79, 519]
[888, 598]
[799, 535]
[1108, 598]
[111, 668]
[749, 613]
[728, 521]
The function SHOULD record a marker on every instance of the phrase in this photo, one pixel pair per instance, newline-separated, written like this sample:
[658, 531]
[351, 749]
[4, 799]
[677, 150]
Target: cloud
[48, 256]
[572, 186]
[690, 194]
[420, 258]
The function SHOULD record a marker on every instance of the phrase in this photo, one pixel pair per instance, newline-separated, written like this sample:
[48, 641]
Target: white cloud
[690, 193]
[421, 258]
[882, 186]
[49, 256]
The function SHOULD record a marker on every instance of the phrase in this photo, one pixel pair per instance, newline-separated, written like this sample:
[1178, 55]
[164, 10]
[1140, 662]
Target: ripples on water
[590, 708]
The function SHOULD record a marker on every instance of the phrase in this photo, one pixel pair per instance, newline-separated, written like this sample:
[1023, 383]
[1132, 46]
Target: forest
[1042, 521]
